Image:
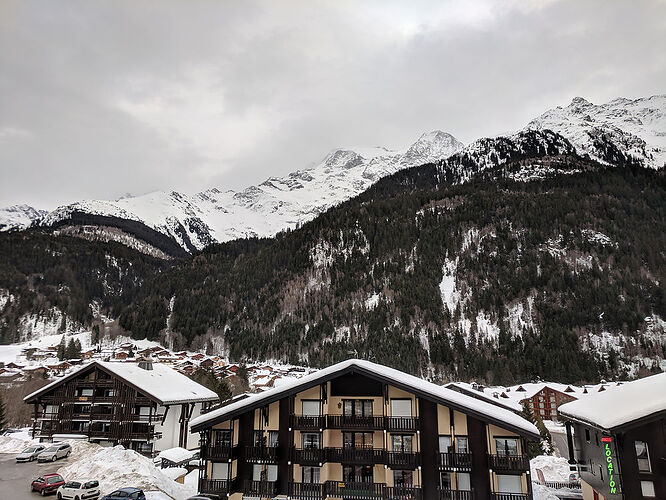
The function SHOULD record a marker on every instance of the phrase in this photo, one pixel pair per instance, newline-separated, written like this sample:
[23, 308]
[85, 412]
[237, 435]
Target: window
[259, 438]
[403, 478]
[311, 474]
[596, 437]
[263, 472]
[643, 456]
[402, 443]
[445, 480]
[647, 489]
[444, 444]
[587, 435]
[311, 408]
[221, 438]
[220, 471]
[464, 481]
[357, 473]
[509, 484]
[506, 446]
[357, 439]
[462, 445]
[401, 407]
[357, 407]
[311, 440]
[273, 438]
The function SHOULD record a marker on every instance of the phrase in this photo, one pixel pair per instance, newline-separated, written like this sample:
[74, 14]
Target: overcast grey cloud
[102, 98]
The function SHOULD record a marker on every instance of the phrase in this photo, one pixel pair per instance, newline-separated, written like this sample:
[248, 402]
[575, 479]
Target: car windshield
[72, 484]
[30, 450]
[54, 479]
[52, 448]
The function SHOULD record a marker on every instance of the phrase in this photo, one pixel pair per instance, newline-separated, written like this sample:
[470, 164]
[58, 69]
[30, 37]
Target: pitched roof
[620, 405]
[162, 383]
[478, 408]
[487, 395]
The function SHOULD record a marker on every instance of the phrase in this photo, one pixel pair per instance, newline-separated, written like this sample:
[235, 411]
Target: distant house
[14, 366]
[198, 357]
[120, 355]
[207, 363]
[36, 371]
[60, 367]
[618, 440]
[142, 406]
[87, 354]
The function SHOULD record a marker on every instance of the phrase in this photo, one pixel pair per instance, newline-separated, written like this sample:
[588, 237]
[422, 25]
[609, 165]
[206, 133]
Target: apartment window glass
[220, 471]
[401, 407]
[403, 478]
[311, 475]
[51, 410]
[402, 443]
[357, 439]
[509, 484]
[506, 446]
[357, 473]
[647, 489]
[221, 438]
[311, 408]
[587, 435]
[444, 444]
[263, 472]
[445, 480]
[273, 438]
[464, 481]
[259, 438]
[311, 440]
[643, 456]
[357, 407]
[462, 445]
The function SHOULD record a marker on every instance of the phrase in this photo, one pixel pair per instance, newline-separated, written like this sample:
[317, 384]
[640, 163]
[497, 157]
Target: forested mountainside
[508, 261]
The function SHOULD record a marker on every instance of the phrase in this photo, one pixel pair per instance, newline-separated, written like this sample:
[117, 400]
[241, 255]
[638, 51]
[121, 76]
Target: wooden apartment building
[359, 430]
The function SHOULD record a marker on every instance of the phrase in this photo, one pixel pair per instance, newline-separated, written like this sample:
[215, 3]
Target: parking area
[15, 478]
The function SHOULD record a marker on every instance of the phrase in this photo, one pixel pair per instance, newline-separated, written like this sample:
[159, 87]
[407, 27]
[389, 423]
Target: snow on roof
[620, 404]
[162, 382]
[505, 416]
[177, 455]
[488, 395]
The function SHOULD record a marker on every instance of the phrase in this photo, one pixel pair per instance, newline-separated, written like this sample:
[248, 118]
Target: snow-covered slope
[19, 217]
[278, 203]
[633, 129]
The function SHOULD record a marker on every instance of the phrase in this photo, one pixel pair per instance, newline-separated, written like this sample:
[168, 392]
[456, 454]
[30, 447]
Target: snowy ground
[554, 469]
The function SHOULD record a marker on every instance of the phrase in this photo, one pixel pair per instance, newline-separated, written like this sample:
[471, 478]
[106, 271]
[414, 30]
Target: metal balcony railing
[218, 452]
[310, 423]
[448, 494]
[354, 422]
[510, 463]
[457, 461]
[215, 486]
[509, 496]
[261, 453]
[260, 488]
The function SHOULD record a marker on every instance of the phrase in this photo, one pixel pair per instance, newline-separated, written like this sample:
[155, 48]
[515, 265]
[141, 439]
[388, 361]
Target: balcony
[355, 491]
[447, 494]
[455, 461]
[261, 454]
[215, 486]
[260, 488]
[360, 456]
[403, 493]
[402, 460]
[310, 456]
[509, 496]
[402, 424]
[307, 491]
[509, 463]
[218, 453]
[308, 423]
[354, 422]
[137, 417]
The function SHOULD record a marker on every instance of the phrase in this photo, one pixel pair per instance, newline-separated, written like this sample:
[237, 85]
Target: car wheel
[68, 454]
[76, 498]
[55, 457]
[42, 492]
[59, 496]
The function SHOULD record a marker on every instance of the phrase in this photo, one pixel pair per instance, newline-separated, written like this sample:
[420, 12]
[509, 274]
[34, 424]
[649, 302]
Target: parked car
[125, 493]
[205, 496]
[54, 452]
[84, 489]
[48, 483]
[30, 453]
[574, 477]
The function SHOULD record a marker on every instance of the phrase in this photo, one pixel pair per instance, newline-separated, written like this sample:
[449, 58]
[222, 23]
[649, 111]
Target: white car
[84, 489]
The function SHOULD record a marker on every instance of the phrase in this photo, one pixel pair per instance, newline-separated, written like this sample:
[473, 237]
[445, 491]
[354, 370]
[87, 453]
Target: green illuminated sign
[612, 484]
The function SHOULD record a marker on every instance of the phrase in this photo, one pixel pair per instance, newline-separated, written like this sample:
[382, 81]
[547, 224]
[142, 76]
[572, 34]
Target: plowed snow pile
[117, 467]
[553, 468]
[15, 443]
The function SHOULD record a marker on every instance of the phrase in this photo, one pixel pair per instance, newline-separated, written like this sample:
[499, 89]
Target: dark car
[125, 493]
[48, 483]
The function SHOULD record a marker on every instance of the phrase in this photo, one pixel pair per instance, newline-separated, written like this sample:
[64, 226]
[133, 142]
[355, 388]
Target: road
[15, 478]
[560, 443]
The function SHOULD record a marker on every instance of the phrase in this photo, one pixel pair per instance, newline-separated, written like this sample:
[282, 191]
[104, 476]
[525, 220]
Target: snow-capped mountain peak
[19, 217]
[431, 147]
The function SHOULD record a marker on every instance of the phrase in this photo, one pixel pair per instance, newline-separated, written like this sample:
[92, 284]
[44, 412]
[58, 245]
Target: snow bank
[540, 492]
[16, 442]
[177, 455]
[117, 467]
[553, 468]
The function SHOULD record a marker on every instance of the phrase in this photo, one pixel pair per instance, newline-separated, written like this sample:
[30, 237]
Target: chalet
[207, 363]
[620, 440]
[142, 406]
[14, 366]
[121, 355]
[360, 430]
[545, 398]
[36, 371]
[198, 357]
[60, 367]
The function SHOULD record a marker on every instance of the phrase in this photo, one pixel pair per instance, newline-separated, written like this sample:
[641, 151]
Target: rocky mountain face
[514, 258]
[276, 204]
[19, 217]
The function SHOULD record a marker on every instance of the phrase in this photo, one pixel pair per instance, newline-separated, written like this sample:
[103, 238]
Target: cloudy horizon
[99, 99]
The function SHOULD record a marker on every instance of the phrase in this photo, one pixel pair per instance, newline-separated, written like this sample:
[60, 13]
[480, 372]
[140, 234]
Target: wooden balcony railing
[218, 452]
[307, 491]
[404, 424]
[356, 455]
[402, 460]
[509, 463]
[458, 461]
[215, 486]
[261, 453]
[354, 491]
[310, 456]
[403, 493]
[260, 488]
[509, 496]
[354, 422]
[309, 423]
[447, 494]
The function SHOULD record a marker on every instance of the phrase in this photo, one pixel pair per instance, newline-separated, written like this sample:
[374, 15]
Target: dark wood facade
[357, 436]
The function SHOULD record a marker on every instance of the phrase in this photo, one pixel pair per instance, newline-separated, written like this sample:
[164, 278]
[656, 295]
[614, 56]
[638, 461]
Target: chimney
[146, 364]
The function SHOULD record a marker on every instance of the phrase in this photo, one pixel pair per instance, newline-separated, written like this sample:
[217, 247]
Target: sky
[103, 98]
